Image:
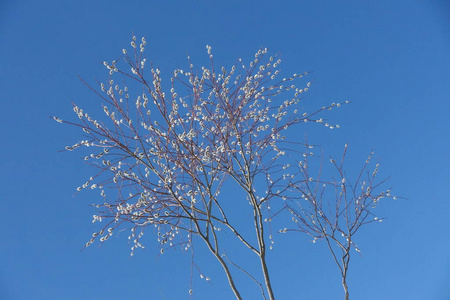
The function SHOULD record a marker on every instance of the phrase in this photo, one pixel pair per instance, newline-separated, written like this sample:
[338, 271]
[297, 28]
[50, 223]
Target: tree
[336, 218]
[168, 155]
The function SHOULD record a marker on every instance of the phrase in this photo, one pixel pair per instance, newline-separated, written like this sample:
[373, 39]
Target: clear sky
[391, 59]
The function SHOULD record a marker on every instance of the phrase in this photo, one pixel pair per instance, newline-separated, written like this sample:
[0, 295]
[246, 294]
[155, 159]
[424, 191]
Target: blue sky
[389, 58]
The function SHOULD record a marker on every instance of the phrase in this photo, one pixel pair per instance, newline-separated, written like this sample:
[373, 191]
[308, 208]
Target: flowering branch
[336, 218]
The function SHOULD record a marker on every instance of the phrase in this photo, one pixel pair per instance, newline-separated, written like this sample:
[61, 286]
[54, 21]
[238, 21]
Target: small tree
[338, 216]
[168, 155]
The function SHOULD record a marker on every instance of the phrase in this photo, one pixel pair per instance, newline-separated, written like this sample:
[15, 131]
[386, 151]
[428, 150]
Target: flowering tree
[335, 217]
[166, 157]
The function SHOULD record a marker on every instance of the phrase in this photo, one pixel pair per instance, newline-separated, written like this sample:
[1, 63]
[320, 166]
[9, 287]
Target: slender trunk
[345, 262]
[259, 226]
[344, 285]
[215, 252]
[228, 273]
[262, 258]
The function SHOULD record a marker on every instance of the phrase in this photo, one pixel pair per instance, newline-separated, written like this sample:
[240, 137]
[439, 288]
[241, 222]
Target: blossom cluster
[167, 155]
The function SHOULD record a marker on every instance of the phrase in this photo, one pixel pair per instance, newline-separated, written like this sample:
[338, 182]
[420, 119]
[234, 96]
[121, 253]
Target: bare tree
[165, 156]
